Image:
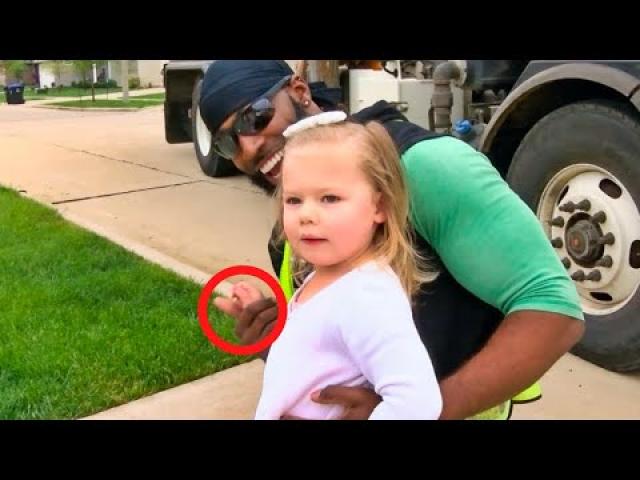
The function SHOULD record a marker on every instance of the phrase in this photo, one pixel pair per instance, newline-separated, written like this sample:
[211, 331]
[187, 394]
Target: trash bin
[14, 93]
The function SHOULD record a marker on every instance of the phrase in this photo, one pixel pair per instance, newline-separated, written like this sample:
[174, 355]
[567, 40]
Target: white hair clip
[324, 118]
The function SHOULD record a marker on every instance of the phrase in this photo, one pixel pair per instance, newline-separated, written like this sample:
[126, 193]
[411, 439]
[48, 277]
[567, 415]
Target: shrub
[134, 82]
[83, 84]
[107, 84]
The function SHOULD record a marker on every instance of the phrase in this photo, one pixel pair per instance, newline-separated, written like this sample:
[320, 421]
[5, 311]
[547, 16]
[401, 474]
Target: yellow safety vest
[499, 412]
[504, 410]
[286, 278]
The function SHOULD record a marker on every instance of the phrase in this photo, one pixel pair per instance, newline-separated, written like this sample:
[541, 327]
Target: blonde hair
[380, 162]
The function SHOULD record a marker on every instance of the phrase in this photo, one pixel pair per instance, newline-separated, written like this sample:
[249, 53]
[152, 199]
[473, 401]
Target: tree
[57, 67]
[84, 67]
[14, 68]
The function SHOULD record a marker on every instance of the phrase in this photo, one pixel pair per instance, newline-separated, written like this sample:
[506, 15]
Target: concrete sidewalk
[229, 395]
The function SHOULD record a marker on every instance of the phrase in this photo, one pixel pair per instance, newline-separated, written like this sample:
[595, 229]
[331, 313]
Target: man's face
[260, 155]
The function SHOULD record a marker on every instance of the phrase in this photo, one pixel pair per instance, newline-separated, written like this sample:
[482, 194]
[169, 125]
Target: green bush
[107, 84]
[86, 84]
[134, 82]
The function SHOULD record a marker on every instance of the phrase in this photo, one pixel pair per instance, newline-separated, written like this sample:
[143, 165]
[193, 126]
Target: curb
[96, 109]
[171, 404]
[150, 254]
[230, 394]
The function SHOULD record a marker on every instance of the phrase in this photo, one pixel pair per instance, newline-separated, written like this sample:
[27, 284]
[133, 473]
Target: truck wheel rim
[203, 134]
[594, 226]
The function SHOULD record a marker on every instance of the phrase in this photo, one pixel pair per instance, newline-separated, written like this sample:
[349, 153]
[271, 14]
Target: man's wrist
[264, 354]
[453, 400]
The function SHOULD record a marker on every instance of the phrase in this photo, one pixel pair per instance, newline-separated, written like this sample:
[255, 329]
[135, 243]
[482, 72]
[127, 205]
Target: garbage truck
[564, 134]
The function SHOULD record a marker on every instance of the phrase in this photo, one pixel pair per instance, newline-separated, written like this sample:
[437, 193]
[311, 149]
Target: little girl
[344, 211]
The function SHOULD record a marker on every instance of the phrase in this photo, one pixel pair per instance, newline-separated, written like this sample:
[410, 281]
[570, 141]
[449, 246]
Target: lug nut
[599, 217]
[594, 276]
[578, 276]
[566, 262]
[607, 239]
[584, 205]
[557, 242]
[557, 222]
[605, 261]
[568, 207]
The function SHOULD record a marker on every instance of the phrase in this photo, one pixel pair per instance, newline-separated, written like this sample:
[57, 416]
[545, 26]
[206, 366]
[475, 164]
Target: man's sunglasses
[250, 121]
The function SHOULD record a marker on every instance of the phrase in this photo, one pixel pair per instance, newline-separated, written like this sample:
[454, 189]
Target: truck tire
[211, 164]
[589, 150]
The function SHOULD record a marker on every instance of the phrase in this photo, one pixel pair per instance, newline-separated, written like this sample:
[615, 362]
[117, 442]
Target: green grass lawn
[68, 92]
[151, 96]
[87, 325]
[132, 103]
[30, 94]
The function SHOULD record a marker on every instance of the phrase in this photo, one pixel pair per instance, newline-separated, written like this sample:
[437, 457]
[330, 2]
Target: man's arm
[525, 345]
[486, 380]
[494, 246]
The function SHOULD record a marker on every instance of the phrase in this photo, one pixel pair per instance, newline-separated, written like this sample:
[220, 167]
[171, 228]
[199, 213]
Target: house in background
[148, 71]
[55, 72]
[49, 73]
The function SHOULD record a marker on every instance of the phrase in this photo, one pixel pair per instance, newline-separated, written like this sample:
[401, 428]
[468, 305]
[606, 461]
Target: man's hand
[358, 402]
[255, 315]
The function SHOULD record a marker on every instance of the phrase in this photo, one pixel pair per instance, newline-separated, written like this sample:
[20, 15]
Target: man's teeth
[267, 167]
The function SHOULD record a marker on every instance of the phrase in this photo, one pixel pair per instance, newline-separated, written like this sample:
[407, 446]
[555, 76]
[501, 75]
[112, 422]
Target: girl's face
[330, 209]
